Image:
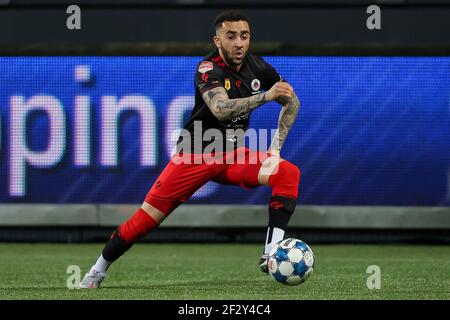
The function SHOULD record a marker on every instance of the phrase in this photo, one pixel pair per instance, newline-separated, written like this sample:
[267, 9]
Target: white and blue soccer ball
[291, 261]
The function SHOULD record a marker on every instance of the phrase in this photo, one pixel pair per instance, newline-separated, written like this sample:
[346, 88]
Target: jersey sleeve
[207, 77]
[269, 76]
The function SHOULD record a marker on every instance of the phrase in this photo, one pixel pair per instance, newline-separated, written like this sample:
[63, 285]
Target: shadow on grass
[198, 284]
[170, 284]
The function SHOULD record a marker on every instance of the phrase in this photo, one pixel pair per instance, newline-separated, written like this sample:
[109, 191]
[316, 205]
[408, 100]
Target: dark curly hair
[232, 15]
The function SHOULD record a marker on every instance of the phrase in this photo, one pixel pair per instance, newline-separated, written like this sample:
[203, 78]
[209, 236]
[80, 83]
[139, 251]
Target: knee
[160, 206]
[293, 171]
[153, 212]
[286, 180]
[288, 172]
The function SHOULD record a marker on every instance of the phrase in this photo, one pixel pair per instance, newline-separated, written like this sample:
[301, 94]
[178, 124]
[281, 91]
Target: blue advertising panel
[370, 131]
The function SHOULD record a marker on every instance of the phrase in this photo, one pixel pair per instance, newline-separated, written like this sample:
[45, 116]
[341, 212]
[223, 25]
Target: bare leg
[268, 167]
[157, 215]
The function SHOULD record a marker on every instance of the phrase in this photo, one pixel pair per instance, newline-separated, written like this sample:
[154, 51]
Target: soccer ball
[291, 261]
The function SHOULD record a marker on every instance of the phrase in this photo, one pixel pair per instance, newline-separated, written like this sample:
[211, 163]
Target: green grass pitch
[224, 271]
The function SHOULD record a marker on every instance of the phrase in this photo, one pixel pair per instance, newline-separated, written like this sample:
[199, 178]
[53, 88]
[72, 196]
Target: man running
[230, 83]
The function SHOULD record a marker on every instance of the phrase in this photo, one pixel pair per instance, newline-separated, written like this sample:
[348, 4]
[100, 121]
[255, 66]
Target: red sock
[285, 182]
[137, 226]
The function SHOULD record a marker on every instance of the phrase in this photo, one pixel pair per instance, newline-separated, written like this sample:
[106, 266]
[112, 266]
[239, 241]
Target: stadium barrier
[228, 223]
[229, 216]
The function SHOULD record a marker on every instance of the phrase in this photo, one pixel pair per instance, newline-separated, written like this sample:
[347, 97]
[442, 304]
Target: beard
[230, 60]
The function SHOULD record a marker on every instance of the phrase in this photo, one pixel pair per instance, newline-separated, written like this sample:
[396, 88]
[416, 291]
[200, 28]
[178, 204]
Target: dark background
[174, 27]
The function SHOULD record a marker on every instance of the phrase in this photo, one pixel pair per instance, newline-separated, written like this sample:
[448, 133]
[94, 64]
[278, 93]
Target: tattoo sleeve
[283, 100]
[225, 108]
[285, 121]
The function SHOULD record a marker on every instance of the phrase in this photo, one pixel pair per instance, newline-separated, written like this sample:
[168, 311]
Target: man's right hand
[280, 89]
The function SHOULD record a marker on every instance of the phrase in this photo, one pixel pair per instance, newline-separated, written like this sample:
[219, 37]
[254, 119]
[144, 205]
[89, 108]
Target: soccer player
[230, 83]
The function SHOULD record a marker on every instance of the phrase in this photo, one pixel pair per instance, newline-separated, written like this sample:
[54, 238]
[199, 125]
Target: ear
[217, 41]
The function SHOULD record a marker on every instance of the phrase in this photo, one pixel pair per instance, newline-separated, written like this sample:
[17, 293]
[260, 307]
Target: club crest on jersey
[227, 84]
[205, 66]
[256, 85]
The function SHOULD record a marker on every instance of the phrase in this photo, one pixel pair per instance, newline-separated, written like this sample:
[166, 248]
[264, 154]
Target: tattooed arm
[285, 122]
[224, 108]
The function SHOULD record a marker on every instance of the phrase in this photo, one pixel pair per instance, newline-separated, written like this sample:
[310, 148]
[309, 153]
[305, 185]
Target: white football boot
[92, 280]
[263, 263]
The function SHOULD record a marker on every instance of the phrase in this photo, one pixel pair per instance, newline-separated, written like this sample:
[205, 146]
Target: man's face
[233, 39]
